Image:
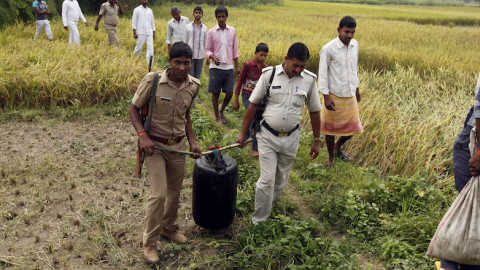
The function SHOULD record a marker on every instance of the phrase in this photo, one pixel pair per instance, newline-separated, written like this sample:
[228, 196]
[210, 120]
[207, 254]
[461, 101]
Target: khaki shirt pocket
[164, 106]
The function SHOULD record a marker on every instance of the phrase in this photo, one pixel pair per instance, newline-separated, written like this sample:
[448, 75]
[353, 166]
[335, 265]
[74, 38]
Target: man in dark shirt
[41, 12]
[251, 72]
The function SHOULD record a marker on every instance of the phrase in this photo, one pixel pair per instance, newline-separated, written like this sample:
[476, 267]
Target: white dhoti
[43, 25]
[74, 34]
[140, 41]
[277, 155]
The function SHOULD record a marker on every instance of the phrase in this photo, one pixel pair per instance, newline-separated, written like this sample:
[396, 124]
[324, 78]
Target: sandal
[341, 155]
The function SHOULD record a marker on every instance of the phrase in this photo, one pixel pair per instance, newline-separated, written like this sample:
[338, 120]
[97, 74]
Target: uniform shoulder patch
[195, 80]
[310, 73]
[267, 68]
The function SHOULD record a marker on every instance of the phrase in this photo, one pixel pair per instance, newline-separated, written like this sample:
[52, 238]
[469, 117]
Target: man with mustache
[292, 87]
[338, 82]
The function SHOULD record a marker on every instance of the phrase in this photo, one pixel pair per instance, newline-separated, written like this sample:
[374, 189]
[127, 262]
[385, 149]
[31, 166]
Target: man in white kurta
[71, 12]
[292, 87]
[143, 29]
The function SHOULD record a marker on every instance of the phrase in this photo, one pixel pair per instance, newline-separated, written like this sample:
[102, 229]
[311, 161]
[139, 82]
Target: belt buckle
[172, 141]
[282, 134]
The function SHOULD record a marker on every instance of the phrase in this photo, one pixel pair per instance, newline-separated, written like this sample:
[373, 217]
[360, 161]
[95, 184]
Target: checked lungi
[344, 121]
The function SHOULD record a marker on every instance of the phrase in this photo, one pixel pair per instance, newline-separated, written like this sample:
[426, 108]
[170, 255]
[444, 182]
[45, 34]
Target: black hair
[174, 9]
[298, 51]
[180, 49]
[261, 47]
[199, 8]
[348, 21]
[221, 9]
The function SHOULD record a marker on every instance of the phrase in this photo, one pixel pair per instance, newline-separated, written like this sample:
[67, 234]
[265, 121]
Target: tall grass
[417, 80]
[399, 2]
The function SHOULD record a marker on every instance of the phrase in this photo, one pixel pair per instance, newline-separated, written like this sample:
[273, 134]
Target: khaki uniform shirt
[287, 97]
[171, 104]
[110, 13]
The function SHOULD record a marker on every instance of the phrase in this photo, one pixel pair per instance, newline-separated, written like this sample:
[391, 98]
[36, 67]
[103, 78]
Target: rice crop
[417, 80]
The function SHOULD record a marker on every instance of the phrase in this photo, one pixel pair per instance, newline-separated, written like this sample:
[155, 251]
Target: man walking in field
[196, 37]
[176, 27]
[71, 12]
[143, 27]
[464, 165]
[222, 49]
[338, 82]
[110, 10]
[41, 12]
[175, 95]
[292, 86]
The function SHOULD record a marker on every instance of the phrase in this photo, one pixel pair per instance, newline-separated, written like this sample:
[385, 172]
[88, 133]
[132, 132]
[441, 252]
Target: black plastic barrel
[214, 192]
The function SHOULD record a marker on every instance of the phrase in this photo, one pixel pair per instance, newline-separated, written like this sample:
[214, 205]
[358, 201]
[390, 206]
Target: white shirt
[337, 71]
[287, 97]
[142, 21]
[71, 11]
[190, 39]
[176, 29]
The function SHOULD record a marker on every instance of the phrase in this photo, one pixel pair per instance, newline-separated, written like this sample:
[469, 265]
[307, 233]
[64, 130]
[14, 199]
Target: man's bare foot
[219, 121]
[255, 153]
[330, 164]
[224, 118]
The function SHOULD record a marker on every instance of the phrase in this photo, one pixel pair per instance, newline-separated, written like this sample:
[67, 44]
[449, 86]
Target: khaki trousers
[112, 35]
[276, 156]
[165, 173]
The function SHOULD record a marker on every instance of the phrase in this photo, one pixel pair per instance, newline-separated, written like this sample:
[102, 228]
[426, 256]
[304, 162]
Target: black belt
[279, 134]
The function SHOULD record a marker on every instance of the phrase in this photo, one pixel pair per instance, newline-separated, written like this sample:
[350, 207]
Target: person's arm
[169, 35]
[323, 78]
[209, 49]
[64, 14]
[357, 94]
[237, 67]
[241, 81]
[235, 54]
[144, 141]
[120, 8]
[186, 34]
[96, 23]
[134, 23]
[81, 15]
[153, 25]
[315, 120]
[191, 136]
[247, 120]
[474, 163]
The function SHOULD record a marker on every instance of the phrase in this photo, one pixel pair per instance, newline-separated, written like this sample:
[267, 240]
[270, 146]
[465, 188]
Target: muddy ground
[69, 199]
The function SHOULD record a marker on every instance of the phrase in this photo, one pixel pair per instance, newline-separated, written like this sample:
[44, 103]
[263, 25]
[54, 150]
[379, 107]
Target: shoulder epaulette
[267, 68]
[310, 73]
[195, 80]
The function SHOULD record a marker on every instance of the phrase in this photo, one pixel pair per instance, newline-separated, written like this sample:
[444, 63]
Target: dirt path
[69, 198]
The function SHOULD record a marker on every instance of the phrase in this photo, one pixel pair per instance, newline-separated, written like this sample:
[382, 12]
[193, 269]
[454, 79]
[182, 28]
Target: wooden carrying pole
[203, 153]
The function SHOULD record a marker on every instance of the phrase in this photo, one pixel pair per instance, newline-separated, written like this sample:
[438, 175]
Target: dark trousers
[196, 69]
[246, 103]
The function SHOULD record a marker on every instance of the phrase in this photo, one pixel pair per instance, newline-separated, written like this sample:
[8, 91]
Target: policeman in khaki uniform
[175, 97]
[278, 140]
[110, 10]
